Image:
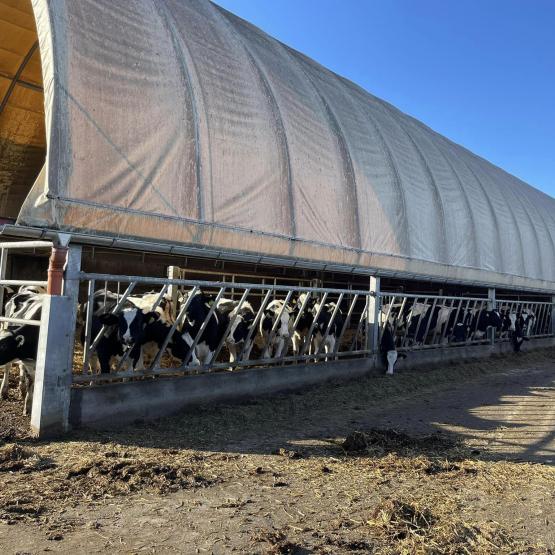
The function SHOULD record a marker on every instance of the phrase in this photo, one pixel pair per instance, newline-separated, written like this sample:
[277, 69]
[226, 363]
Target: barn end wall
[104, 406]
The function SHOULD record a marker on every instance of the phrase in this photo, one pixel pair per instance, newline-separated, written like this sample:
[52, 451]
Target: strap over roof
[178, 121]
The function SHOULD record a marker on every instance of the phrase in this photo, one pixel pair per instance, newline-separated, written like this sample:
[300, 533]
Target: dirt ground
[459, 459]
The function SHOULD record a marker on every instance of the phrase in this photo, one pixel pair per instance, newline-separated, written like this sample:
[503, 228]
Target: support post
[552, 330]
[53, 372]
[3, 266]
[173, 290]
[372, 318]
[492, 305]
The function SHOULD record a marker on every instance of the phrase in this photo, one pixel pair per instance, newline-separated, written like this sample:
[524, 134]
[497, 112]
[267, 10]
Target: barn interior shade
[177, 121]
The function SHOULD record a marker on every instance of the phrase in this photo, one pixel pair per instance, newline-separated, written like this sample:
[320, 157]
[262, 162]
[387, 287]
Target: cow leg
[103, 360]
[391, 360]
[295, 343]
[5, 382]
[136, 356]
[23, 382]
[315, 344]
[329, 346]
[232, 348]
[29, 378]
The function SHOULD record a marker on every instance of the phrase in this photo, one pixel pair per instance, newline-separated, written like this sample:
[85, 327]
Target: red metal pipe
[56, 270]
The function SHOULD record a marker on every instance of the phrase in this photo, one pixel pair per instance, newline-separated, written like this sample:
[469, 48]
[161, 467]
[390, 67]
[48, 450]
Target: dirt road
[273, 476]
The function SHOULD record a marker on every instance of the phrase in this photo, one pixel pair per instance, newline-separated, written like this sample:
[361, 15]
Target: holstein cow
[518, 334]
[305, 321]
[329, 320]
[18, 343]
[484, 319]
[388, 350]
[135, 329]
[276, 316]
[197, 312]
[242, 319]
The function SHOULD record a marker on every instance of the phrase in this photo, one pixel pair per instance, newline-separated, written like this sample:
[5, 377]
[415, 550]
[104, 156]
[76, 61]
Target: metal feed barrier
[361, 313]
[361, 316]
[400, 310]
[349, 306]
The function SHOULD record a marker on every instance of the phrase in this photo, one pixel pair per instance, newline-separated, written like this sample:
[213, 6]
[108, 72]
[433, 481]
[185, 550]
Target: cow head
[12, 343]
[241, 324]
[131, 324]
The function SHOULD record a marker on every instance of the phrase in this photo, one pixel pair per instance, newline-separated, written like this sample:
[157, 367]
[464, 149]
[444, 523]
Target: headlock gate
[104, 329]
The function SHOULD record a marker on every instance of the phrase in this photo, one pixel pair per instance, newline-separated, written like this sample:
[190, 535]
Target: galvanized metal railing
[349, 306]
[424, 322]
[417, 322]
[5, 248]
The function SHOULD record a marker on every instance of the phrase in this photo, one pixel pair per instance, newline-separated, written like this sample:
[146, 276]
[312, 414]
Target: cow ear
[20, 340]
[108, 319]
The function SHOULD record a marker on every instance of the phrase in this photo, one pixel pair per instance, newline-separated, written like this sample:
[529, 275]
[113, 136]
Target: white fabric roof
[177, 121]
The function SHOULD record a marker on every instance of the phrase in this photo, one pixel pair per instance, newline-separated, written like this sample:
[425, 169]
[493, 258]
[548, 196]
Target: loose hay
[408, 527]
[372, 490]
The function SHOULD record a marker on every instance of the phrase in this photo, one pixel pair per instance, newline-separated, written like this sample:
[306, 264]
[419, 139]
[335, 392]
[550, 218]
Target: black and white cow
[484, 319]
[135, 328]
[197, 312]
[276, 315]
[330, 321]
[518, 334]
[388, 349]
[241, 318]
[19, 343]
[305, 320]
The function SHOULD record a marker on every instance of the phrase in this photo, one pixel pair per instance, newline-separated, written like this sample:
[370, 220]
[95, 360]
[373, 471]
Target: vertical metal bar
[545, 319]
[173, 327]
[231, 322]
[3, 266]
[538, 312]
[313, 324]
[330, 324]
[399, 316]
[173, 273]
[429, 321]
[459, 306]
[372, 321]
[361, 322]
[256, 321]
[88, 326]
[408, 320]
[491, 306]
[420, 318]
[346, 323]
[478, 317]
[71, 290]
[300, 314]
[552, 324]
[391, 303]
[159, 298]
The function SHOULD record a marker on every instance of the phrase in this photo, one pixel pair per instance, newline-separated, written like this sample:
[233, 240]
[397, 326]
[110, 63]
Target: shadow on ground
[502, 408]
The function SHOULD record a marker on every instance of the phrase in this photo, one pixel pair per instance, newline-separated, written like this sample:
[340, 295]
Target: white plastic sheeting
[175, 120]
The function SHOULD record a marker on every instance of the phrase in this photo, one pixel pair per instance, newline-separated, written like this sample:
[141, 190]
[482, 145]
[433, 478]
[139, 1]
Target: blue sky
[481, 72]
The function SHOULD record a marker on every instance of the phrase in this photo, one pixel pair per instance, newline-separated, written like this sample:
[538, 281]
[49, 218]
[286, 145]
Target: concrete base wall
[427, 357]
[106, 406]
[122, 403]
